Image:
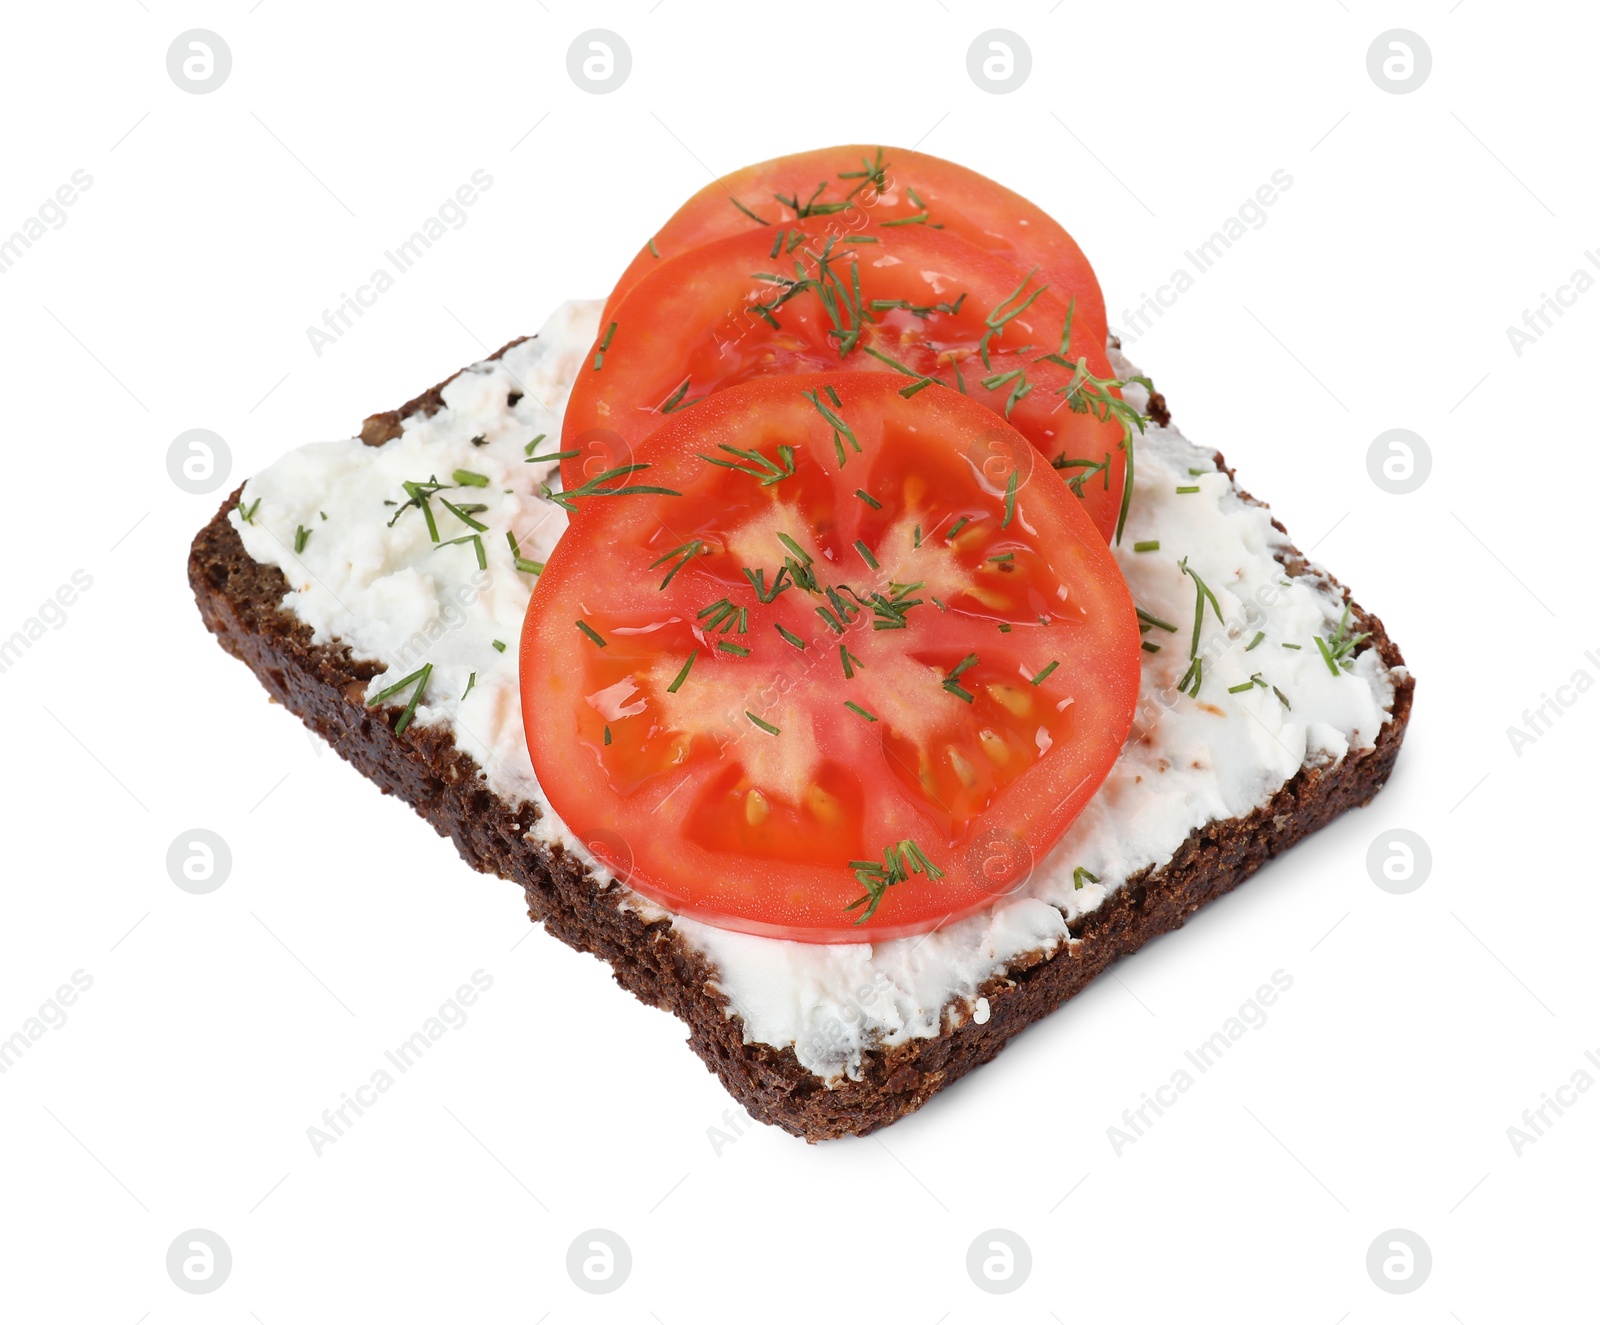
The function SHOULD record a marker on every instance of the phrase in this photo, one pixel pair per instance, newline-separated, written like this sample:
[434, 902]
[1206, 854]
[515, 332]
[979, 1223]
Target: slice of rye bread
[240, 600]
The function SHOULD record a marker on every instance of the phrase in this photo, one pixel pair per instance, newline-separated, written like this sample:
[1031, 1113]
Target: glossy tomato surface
[849, 675]
[915, 303]
[862, 190]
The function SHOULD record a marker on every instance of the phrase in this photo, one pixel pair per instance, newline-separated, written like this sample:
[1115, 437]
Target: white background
[218, 227]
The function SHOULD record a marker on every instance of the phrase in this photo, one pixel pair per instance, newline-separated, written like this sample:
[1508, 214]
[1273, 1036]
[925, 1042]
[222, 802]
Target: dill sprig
[921, 379]
[1339, 649]
[683, 674]
[605, 344]
[465, 514]
[952, 307]
[676, 400]
[593, 488]
[900, 862]
[1013, 305]
[477, 546]
[758, 220]
[952, 680]
[684, 552]
[811, 207]
[758, 582]
[418, 495]
[752, 462]
[1190, 684]
[418, 678]
[874, 172]
[1087, 470]
[1202, 596]
[522, 563]
[841, 429]
[1088, 394]
[1020, 386]
[724, 614]
[889, 612]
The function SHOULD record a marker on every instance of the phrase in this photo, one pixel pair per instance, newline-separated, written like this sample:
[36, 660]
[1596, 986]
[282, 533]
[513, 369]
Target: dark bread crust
[240, 599]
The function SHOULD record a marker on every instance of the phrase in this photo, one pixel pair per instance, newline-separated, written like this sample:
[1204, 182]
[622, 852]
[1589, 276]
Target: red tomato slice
[916, 303]
[863, 190]
[849, 676]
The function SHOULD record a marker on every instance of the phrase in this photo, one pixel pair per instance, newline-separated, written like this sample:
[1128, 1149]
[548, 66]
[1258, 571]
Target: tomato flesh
[862, 666]
[863, 190]
[916, 303]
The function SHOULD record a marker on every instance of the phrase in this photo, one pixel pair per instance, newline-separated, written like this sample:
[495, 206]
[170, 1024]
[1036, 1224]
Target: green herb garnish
[477, 546]
[757, 465]
[1011, 500]
[683, 674]
[605, 344]
[952, 680]
[841, 429]
[521, 562]
[420, 679]
[593, 488]
[683, 552]
[900, 862]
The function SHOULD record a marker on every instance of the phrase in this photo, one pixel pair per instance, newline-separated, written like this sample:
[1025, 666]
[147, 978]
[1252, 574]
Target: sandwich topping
[830, 584]
[827, 662]
[381, 586]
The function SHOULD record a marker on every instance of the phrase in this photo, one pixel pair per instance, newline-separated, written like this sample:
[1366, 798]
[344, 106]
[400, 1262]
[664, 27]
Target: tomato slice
[916, 303]
[864, 190]
[829, 664]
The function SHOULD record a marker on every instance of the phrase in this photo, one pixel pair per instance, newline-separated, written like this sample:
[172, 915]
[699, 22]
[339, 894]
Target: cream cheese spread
[370, 576]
